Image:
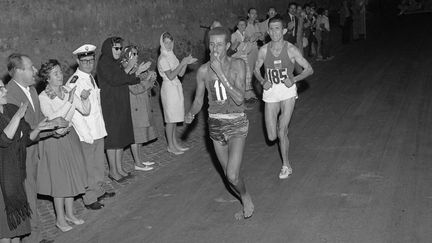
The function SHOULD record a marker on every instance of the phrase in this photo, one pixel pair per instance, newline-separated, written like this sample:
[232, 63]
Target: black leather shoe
[95, 206]
[46, 241]
[106, 195]
[122, 179]
[129, 176]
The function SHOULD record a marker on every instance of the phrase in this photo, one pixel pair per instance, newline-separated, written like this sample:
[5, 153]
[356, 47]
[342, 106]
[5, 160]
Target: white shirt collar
[81, 73]
[22, 87]
[26, 91]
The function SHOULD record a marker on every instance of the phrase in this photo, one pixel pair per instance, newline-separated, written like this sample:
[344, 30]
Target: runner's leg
[271, 111]
[235, 157]
[287, 107]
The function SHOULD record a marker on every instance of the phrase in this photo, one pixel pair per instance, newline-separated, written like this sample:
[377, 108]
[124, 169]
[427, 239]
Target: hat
[85, 50]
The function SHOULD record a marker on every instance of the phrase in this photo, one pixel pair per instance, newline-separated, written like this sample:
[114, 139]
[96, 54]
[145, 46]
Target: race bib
[277, 75]
[218, 91]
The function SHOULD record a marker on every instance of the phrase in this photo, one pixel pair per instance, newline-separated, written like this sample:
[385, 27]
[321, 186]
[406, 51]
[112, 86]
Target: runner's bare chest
[276, 49]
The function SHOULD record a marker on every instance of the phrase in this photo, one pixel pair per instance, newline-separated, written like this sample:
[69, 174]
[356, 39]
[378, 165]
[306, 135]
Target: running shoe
[285, 172]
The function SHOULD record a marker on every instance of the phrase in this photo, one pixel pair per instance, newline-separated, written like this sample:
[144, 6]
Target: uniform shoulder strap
[74, 79]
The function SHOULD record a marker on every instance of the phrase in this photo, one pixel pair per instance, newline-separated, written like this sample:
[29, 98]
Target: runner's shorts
[222, 127]
[279, 92]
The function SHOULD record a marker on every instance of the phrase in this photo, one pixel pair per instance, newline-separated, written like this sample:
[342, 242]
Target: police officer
[91, 128]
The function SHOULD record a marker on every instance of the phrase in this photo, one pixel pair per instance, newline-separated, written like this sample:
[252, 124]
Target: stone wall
[47, 29]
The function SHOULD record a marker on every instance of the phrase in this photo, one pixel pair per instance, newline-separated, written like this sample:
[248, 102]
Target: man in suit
[20, 90]
[291, 35]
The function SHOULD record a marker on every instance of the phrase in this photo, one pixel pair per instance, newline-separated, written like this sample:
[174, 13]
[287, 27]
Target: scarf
[169, 54]
[13, 169]
[107, 66]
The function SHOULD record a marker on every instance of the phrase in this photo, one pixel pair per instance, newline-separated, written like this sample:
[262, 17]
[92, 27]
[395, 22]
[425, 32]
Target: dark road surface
[361, 149]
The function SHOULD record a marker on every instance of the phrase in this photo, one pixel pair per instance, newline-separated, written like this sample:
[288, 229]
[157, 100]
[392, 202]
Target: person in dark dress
[15, 136]
[114, 81]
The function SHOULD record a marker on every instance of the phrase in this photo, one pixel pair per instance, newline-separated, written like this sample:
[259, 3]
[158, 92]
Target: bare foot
[239, 215]
[248, 208]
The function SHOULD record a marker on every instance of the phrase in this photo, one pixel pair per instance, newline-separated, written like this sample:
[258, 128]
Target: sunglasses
[118, 48]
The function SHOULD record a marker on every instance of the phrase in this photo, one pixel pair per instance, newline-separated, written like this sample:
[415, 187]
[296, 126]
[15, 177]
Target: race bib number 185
[277, 75]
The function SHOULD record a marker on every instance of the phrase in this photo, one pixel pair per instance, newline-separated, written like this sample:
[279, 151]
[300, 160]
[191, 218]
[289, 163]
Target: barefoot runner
[224, 79]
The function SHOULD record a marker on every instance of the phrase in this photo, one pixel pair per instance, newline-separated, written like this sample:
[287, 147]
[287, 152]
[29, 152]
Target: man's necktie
[92, 81]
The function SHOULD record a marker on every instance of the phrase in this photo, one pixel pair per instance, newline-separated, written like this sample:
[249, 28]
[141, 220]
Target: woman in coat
[114, 81]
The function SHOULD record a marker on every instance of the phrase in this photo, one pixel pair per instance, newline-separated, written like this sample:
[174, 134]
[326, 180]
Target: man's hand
[189, 118]
[215, 64]
[59, 122]
[72, 94]
[267, 85]
[291, 25]
[85, 94]
[288, 82]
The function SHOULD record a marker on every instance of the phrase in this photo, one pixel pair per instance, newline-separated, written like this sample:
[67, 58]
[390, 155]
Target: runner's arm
[199, 92]
[298, 57]
[260, 61]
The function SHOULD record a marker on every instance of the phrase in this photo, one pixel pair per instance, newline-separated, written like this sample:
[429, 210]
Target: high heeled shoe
[75, 222]
[64, 228]
[174, 152]
[148, 163]
[145, 168]
[183, 149]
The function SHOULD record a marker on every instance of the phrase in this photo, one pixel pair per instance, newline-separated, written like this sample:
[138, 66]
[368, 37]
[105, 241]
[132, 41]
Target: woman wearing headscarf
[141, 110]
[62, 170]
[169, 69]
[114, 81]
[15, 136]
